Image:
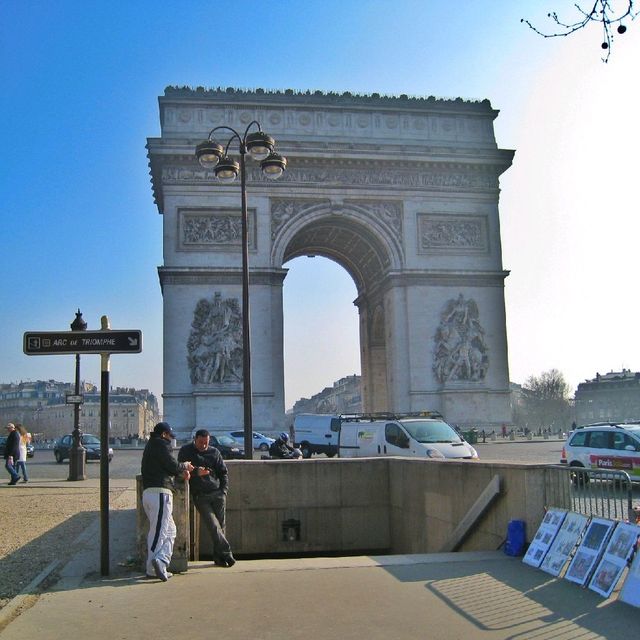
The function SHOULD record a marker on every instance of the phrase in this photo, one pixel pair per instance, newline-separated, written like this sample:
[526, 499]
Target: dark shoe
[229, 559]
[219, 561]
[24, 480]
[13, 482]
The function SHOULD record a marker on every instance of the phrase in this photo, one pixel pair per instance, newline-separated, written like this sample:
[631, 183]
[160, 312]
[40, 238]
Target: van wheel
[306, 450]
[264, 447]
[330, 454]
[59, 458]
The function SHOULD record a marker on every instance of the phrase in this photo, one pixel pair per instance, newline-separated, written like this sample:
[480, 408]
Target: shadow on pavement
[503, 596]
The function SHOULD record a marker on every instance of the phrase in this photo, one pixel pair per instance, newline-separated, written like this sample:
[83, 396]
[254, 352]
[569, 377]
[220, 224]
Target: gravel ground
[39, 525]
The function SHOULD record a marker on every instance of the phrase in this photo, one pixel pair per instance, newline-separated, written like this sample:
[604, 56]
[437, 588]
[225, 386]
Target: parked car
[62, 447]
[230, 448]
[260, 441]
[605, 446]
[30, 448]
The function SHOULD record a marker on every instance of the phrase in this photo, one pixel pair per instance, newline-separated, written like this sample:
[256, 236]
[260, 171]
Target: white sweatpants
[158, 505]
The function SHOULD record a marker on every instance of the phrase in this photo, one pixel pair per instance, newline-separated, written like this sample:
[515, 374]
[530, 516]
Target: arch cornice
[435, 171]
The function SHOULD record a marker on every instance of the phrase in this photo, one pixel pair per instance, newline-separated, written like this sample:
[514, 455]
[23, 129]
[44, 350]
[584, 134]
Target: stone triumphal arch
[402, 192]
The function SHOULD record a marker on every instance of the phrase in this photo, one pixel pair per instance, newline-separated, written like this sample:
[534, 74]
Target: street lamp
[211, 155]
[77, 453]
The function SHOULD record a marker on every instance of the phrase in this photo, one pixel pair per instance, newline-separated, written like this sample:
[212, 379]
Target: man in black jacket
[12, 452]
[280, 448]
[158, 470]
[209, 488]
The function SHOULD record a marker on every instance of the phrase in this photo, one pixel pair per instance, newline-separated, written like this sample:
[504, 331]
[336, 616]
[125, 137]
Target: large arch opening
[338, 241]
[321, 326]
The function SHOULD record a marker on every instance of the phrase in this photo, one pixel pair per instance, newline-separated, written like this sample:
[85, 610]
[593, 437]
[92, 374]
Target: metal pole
[246, 338]
[104, 458]
[77, 467]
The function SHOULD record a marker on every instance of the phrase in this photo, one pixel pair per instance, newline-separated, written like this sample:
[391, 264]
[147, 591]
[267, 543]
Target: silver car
[260, 441]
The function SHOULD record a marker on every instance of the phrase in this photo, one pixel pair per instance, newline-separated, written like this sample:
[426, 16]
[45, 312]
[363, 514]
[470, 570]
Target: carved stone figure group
[214, 349]
[460, 347]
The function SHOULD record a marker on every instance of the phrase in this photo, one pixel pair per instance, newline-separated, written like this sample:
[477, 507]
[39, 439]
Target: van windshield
[430, 431]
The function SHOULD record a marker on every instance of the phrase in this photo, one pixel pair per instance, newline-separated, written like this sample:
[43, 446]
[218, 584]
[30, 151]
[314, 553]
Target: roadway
[126, 462]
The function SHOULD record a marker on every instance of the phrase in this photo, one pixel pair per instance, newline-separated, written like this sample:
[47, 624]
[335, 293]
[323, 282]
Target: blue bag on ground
[516, 539]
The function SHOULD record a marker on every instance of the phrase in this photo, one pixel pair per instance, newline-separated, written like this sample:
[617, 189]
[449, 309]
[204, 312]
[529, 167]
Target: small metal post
[104, 457]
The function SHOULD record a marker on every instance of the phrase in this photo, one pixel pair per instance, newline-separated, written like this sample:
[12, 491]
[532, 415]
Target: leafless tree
[547, 404]
[606, 13]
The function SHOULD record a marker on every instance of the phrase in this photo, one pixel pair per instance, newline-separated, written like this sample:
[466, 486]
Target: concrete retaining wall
[390, 505]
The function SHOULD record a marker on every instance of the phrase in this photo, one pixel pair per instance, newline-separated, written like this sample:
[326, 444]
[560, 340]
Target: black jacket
[12, 446]
[158, 465]
[280, 449]
[218, 478]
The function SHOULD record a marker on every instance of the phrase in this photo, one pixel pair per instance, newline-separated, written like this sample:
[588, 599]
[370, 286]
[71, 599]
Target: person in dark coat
[209, 484]
[12, 452]
[281, 448]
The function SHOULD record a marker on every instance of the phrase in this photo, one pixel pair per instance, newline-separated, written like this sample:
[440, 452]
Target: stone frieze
[210, 229]
[329, 176]
[453, 232]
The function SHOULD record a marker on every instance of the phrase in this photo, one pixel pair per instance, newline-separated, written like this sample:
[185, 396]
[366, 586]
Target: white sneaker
[158, 567]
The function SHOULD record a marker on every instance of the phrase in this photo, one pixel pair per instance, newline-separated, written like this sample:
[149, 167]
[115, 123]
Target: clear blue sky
[80, 81]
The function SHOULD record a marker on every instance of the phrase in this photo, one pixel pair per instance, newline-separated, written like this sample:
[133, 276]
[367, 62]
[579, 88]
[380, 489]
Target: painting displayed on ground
[615, 558]
[630, 592]
[564, 542]
[544, 537]
[589, 550]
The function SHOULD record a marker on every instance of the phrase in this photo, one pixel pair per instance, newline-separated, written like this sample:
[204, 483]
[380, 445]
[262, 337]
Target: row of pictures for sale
[604, 548]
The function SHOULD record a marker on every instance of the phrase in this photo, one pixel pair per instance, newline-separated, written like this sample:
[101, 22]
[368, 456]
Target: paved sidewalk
[436, 596]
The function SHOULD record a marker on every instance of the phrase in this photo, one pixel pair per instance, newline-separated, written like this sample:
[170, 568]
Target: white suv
[615, 447]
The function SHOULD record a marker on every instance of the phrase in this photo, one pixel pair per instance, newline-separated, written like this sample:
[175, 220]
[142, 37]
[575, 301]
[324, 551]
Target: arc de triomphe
[402, 192]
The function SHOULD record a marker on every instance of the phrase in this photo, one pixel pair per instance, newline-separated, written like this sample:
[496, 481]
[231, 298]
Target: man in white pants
[159, 468]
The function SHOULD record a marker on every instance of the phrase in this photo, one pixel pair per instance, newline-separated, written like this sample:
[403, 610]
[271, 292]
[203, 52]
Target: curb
[31, 593]
[27, 597]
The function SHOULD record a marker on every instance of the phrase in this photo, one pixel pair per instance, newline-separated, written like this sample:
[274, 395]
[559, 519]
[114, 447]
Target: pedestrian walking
[21, 464]
[208, 485]
[12, 453]
[158, 469]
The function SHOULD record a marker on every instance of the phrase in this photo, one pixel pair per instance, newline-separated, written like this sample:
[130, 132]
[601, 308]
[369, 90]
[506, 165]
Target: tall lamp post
[77, 470]
[211, 155]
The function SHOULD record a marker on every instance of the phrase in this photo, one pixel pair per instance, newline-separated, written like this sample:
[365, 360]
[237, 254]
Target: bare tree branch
[607, 13]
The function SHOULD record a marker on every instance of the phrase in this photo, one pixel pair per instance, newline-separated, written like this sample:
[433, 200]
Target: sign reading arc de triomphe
[400, 191]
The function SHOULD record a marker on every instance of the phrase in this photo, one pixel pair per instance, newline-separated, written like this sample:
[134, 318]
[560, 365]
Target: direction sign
[41, 343]
[71, 398]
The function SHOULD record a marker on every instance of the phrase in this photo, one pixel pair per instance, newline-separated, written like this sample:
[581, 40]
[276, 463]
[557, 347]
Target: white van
[416, 437]
[316, 433]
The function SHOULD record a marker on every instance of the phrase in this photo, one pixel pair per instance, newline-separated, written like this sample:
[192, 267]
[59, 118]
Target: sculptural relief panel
[452, 233]
[285, 209]
[214, 348]
[213, 229]
[460, 352]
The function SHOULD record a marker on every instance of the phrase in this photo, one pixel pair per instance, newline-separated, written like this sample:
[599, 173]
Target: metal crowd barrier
[593, 492]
